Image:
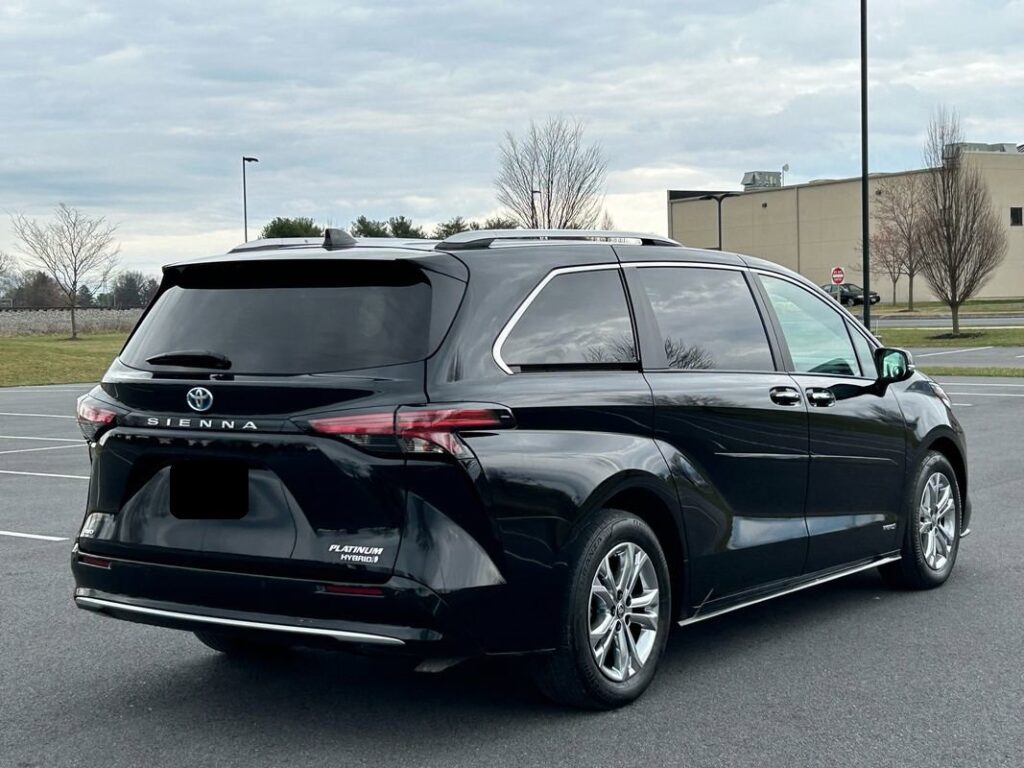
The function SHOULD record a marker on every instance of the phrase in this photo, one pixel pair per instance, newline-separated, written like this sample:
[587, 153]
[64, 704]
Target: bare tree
[73, 249]
[551, 178]
[887, 252]
[607, 222]
[8, 272]
[899, 207]
[694, 357]
[962, 238]
[8, 266]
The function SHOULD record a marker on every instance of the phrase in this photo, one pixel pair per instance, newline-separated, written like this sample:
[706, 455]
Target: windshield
[290, 317]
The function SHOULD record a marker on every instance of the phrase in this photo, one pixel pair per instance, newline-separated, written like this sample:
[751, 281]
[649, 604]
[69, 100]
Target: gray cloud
[140, 111]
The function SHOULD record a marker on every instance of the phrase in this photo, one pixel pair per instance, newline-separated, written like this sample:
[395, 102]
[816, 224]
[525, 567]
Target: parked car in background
[849, 294]
[555, 443]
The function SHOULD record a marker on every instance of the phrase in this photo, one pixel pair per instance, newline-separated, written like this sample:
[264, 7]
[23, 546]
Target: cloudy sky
[140, 111]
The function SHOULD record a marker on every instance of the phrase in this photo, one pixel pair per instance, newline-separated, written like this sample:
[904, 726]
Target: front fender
[932, 424]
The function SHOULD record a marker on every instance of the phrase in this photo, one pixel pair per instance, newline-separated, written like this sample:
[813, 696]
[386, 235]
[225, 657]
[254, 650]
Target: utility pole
[865, 222]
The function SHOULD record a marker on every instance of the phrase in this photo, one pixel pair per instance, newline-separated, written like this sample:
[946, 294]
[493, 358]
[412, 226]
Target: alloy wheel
[937, 521]
[623, 612]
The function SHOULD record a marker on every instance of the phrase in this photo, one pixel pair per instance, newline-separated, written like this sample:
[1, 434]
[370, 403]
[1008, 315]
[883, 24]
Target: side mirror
[893, 365]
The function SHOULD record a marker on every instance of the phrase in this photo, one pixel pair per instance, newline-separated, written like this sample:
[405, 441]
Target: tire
[240, 644]
[931, 540]
[574, 674]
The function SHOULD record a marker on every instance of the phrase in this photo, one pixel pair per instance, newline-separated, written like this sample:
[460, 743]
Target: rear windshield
[297, 317]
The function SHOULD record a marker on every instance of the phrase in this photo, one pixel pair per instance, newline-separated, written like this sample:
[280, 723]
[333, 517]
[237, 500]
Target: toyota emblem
[199, 399]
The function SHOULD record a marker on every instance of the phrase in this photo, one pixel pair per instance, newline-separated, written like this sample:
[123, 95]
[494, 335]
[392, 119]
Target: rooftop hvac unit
[754, 180]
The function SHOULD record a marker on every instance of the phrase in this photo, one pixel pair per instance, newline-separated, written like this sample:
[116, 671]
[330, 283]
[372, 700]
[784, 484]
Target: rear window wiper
[192, 358]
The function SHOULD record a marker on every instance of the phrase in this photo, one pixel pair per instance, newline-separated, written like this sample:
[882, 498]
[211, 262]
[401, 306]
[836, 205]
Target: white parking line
[988, 394]
[46, 448]
[47, 439]
[979, 384]
[39, 536]
[39, 415]
[16, 390]
[952, 351]
[42, 474]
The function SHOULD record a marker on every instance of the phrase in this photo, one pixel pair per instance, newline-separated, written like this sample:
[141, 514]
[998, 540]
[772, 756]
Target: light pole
[865, 223]
[245, 201]
[718, 199]
[533, 205]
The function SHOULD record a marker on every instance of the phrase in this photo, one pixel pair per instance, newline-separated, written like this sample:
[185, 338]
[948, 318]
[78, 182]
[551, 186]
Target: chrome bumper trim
[341, 635]
[790, 590]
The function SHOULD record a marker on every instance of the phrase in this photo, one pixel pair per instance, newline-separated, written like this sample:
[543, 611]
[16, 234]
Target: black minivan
[556, 443]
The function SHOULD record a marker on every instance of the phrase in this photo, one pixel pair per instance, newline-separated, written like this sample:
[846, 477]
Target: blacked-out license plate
[209, 490]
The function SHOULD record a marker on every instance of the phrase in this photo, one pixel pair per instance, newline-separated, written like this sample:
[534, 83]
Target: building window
[1015, 217]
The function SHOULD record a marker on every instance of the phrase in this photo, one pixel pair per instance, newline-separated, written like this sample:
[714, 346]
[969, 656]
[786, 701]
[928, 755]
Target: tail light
[93, 416]
[417, 430]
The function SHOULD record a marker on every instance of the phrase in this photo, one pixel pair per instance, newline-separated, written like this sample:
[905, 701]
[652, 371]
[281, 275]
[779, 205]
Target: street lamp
[245, 202]
[718, 199]
[533, 205]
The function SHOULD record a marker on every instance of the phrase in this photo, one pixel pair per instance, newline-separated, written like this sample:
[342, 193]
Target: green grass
[969, 337]
[926, 308]
[53, 359]
[960, 370]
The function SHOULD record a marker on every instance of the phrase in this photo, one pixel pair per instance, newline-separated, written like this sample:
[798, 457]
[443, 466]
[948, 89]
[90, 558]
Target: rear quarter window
[577, 319]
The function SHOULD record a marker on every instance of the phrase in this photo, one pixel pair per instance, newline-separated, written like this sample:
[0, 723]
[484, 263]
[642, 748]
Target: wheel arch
[647, 497]
[947, 447]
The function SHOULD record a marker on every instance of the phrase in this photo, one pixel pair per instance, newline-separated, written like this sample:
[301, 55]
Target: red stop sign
[838, 276]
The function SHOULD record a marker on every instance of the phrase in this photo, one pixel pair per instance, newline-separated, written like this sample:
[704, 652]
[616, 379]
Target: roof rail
[332, 240]
[484, 238]
[275, 242]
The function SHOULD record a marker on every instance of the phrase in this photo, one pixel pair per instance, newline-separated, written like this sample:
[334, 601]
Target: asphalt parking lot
[999, 357]
[848, 674]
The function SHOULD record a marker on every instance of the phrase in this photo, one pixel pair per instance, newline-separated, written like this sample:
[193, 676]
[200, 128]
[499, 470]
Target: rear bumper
[184, 617]
[399, 614]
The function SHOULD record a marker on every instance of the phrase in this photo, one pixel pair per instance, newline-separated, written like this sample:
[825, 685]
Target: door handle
[784, 395]
[822, 398]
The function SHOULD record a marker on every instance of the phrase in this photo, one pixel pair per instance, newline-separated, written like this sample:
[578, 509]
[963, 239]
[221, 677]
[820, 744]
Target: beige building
[814, 227]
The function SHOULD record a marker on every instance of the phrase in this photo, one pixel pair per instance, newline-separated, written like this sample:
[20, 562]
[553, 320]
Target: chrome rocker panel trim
[790, 590]
[95, 603]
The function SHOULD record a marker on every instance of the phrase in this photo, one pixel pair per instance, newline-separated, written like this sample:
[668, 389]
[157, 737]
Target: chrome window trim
[530, 297]
[521, 309]
[689, 264]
